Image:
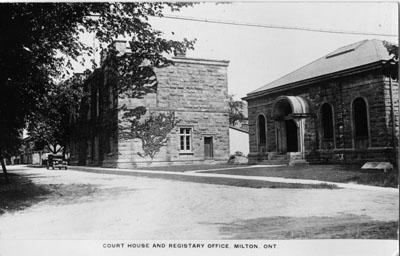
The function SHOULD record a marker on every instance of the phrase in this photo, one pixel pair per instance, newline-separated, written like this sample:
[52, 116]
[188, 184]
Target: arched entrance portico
[289, 113]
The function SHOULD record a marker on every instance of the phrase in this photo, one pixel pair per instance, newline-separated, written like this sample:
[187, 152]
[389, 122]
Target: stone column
[300, 122]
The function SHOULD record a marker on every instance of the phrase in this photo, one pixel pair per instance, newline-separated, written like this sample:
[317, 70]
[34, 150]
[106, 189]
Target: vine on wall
[152, 131]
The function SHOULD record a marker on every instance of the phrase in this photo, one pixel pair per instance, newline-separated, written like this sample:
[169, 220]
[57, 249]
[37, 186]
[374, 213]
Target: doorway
[291, 136]
[208, 147]
[286, 127]
[290, 114]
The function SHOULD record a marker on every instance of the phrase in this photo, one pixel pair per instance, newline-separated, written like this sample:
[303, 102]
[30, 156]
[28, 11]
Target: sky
[260, 55]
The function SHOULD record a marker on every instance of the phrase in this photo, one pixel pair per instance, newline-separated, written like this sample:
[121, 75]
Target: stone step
[279, 157]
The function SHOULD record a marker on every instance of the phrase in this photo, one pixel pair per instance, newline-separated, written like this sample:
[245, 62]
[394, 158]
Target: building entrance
[288, 113]
[291, 136]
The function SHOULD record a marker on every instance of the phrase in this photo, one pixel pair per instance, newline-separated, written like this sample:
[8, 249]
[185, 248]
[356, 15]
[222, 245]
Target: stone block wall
[94, 133]
[197, 92]
[372, 85]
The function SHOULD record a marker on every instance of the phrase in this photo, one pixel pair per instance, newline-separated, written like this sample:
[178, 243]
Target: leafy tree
[235, 110]
[40, 40]
[391, 66]
[50, 125]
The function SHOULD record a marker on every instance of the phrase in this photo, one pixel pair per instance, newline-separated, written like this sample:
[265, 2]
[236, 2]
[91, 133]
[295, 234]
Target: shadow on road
[346, 226]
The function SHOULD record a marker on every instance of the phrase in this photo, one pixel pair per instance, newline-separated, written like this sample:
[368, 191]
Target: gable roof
[347, 57]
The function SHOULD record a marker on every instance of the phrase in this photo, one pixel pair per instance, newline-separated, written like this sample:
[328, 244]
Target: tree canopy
[391, 66]
[40, 41]
[236, 108]
[50, 124]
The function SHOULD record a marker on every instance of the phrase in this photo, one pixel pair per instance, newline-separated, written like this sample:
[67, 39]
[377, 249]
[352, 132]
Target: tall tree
[50, 125]
[40, 40]
[235, 110]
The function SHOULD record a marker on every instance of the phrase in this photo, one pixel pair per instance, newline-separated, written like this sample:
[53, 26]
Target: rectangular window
[89, 112]
[89, 148]
[96, 148]
[89, 103]
[185, 138]
[110, 143]
[97, 103]
[72, 149]
[111, 95]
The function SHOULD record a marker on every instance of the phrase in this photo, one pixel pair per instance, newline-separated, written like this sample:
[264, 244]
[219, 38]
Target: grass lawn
[185, 168]
[215, 180]
[330, 173]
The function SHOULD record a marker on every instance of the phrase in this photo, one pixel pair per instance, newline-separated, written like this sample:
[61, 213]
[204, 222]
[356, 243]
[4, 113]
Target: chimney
[120, 46]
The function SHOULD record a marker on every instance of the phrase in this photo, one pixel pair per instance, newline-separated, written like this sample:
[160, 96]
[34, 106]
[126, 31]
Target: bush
[238, 153]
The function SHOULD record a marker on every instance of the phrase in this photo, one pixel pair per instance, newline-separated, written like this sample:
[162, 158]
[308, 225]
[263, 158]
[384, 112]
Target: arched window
[327, 121]
[360, 118]
[262, 136]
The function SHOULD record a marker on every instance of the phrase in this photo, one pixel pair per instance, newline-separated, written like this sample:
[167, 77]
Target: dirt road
[102, 206]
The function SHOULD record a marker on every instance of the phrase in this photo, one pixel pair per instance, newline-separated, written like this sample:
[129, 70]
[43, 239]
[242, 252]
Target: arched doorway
[291, 136]
[289, 113]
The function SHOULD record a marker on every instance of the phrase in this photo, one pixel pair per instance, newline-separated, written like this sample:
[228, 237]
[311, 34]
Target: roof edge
[313, 80]
[200, 61]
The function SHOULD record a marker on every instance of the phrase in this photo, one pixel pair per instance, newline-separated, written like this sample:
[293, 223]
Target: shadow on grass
[20, 193]
[216, 180]
[339, 227]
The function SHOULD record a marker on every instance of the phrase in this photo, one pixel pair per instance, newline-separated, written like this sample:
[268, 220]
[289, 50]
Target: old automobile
[56, 161]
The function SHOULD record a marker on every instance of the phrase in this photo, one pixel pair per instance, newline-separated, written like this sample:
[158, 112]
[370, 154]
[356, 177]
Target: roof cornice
[200, 61]
[314, 80]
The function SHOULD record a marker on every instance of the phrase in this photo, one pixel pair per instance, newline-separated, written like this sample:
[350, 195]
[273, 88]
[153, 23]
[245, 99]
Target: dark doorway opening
[291, 136]
[262, 135]
[208, 147]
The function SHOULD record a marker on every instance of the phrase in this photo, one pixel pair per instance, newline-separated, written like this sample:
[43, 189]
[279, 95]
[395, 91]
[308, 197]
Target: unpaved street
[126, 207]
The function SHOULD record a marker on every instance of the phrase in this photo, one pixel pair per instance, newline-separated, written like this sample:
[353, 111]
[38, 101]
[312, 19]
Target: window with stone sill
[111, 96]
[185, 140]
[327, 122]
[89, 109]
[97, 103]
[110, 145]
[360, 118]
[72, 149]
[89, 148]
[262, 135]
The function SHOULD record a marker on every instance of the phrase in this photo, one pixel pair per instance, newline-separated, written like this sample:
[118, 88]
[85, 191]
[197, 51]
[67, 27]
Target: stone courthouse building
[341, 108]
[195, 90]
